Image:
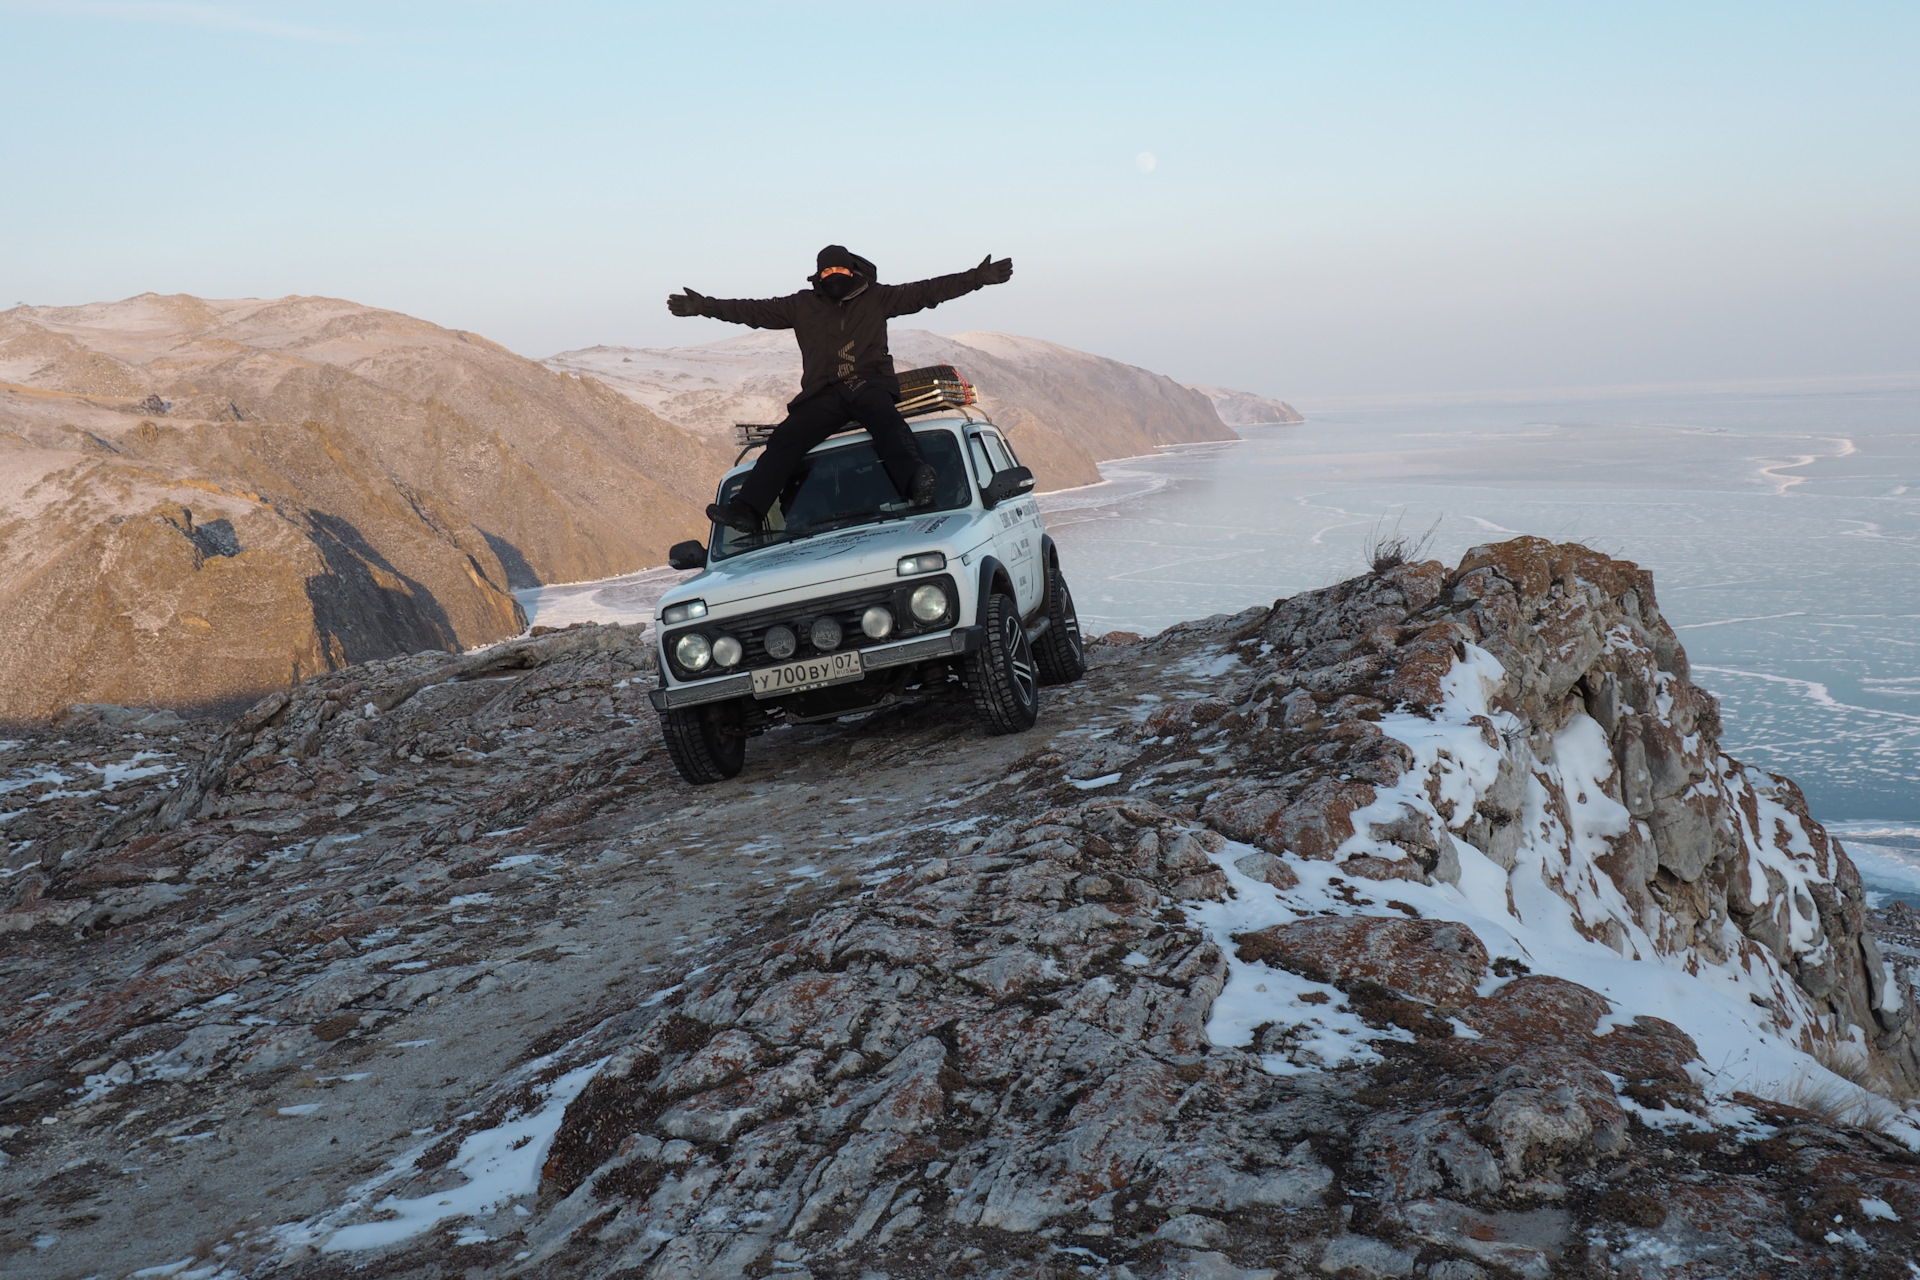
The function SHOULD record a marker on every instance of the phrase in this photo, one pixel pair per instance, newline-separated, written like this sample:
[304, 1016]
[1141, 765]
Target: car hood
[825, 559]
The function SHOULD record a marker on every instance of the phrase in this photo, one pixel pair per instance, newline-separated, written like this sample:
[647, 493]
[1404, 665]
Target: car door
[1019, 533]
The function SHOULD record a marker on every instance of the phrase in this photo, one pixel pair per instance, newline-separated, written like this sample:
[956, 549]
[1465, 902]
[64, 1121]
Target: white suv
[852, 599]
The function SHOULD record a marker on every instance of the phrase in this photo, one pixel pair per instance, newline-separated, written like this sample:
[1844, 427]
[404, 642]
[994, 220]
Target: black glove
[992, 272]
[686, 303]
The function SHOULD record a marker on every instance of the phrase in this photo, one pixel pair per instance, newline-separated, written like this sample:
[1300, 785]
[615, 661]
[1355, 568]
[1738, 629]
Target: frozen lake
[1783, 532]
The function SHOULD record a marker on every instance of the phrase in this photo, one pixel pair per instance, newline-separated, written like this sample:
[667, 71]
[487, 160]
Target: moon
[1146, 160]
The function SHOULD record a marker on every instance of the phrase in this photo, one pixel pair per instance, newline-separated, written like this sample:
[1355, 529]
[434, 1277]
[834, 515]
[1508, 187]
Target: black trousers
[819, 416]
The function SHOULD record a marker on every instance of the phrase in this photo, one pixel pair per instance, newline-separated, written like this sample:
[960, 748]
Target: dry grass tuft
[1390, 548]
[1841, 1105]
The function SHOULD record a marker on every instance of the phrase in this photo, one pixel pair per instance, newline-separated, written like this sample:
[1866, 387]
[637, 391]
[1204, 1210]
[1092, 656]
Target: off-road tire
[705, 743]
[1002, 675]
[1061, 651]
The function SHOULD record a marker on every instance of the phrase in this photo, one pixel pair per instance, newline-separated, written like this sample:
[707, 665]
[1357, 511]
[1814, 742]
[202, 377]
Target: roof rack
[922, 391]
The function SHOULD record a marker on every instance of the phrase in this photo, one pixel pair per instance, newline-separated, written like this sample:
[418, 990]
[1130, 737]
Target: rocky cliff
[1067, 410]
[1244, 409]
[1416, 926]
[202, 500]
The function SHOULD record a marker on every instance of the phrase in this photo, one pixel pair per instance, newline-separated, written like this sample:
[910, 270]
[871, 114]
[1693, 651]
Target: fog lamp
[825, 634]
[877, 622]
[780, 642]
[727, 651]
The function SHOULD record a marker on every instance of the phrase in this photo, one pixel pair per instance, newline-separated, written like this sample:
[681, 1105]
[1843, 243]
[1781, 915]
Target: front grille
[751, 629]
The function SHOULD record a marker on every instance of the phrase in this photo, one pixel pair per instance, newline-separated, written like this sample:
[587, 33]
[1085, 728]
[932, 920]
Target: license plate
[814, 673]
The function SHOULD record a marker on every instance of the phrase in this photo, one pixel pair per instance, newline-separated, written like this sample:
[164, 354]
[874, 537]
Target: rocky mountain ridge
[1067, 410]
[204, 500]
[1415, 926]
[1244, 409]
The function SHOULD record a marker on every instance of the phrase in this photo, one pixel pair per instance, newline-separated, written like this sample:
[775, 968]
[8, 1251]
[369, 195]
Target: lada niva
[850, 598]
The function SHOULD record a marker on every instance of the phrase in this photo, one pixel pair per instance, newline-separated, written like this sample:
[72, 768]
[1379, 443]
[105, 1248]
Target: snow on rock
[1525, 753]
[492, 1167]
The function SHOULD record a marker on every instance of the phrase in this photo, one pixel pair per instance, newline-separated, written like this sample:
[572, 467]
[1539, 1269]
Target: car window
[997, 451]
[982, 464]
[844, 486]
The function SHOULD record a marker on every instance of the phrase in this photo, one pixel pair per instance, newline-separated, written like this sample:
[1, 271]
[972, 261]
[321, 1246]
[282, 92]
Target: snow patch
[499, 1164]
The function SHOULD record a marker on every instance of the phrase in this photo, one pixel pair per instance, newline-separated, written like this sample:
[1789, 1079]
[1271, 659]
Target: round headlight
[727, 651]
[781, 642]
[825, 634]
[929, 603]
[877, 623]
[692, 651]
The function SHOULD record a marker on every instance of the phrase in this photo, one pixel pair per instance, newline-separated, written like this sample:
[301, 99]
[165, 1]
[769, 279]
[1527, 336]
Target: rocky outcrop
[1245, 409]
[208, 500]
[1339, 938]
[1067, 410]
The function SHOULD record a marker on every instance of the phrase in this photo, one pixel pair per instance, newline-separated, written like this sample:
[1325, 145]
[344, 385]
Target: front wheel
[1002, 676]
[707, 744]
[1062, 652]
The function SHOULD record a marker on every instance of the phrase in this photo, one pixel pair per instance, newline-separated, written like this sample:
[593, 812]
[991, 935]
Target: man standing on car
[846, 371]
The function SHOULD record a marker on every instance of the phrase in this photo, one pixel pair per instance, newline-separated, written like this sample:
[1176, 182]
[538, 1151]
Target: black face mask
[839, 287]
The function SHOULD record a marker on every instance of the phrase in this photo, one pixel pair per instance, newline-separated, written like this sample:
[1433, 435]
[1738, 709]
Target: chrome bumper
[952, 644]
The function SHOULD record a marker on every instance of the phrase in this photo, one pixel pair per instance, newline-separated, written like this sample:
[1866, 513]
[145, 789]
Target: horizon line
[1809, 384]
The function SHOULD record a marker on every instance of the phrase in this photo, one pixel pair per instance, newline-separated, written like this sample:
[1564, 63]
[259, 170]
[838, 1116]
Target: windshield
[844, 486]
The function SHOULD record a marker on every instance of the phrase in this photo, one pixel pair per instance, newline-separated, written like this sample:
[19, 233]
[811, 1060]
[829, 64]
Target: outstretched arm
[905, 299]
[761, 313]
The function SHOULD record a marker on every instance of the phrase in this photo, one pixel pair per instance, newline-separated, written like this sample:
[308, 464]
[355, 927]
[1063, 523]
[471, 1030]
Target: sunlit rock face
[203, 500]
[1342, 937]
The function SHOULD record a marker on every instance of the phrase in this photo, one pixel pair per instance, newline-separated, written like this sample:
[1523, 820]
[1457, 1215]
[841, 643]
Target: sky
[1302, 200]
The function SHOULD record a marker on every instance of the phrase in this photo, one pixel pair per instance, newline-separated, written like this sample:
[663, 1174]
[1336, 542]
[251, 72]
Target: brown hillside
[202, 500]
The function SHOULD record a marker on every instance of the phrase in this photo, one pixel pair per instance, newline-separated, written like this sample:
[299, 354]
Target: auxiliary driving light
[780, 642]
[877, 622]
[925, 562]
[825, 634]
[727, 651]
[685, 611]
[692, 651]
[929, 603]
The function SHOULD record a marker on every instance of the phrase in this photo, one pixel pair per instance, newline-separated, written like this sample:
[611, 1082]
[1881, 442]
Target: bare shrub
[1389, 548]
[1849, 1062]
[1840, 1104]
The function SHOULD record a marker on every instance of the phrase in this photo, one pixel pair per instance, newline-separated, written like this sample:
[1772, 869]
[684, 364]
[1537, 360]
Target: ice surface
[628, 599]
[1783, 532]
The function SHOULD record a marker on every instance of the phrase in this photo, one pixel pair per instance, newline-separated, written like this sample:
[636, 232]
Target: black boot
[735, 515]
[926, 482]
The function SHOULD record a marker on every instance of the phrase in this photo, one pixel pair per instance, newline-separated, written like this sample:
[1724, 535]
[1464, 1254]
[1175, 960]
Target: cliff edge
[1416, 926]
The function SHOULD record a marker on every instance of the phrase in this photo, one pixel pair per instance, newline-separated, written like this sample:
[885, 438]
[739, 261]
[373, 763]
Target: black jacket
[843, 341]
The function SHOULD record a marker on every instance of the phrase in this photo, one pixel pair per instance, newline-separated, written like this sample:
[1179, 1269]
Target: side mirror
[687, 555]
[1010, 483]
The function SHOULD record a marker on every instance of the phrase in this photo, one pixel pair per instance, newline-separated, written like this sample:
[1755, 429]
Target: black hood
[836, 255]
